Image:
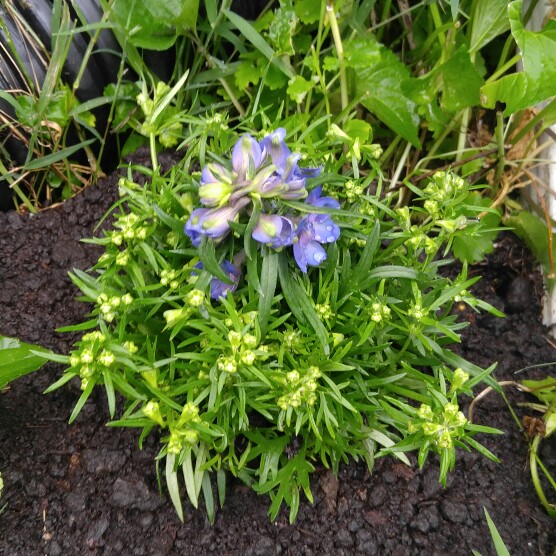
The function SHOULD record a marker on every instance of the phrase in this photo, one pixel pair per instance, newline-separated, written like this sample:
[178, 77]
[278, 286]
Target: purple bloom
[293, 176]
[216, 185]
[213, 223]
[314, 230]
[314, 198]
[247, 156]
[273, 230]
[273, 145]
[218, 288]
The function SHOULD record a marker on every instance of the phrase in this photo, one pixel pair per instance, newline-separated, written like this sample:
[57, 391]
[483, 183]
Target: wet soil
[87, 489]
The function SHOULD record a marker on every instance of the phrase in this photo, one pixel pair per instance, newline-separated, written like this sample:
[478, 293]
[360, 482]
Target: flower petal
[246, 154]
[273, 145]
[274, 230]
[323, 228]
[218, 288]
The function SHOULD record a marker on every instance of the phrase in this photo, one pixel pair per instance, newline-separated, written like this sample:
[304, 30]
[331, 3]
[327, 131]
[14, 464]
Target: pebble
[135, 495]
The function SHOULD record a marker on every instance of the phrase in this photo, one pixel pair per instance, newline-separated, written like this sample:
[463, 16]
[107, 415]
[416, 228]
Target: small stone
[454, 512]
[344, 539]
[134, 495]
[96, 531]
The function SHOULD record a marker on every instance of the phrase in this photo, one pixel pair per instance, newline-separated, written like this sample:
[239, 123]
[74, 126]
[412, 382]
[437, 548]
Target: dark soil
[87, 489]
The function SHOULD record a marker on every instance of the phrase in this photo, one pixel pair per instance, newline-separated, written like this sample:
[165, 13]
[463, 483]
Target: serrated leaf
[298, 88]
[379, 88]
[247, 73]
[282, 28]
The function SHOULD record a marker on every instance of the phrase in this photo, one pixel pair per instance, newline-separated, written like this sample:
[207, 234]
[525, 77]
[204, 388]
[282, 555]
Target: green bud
[152, 410]
[425, 412]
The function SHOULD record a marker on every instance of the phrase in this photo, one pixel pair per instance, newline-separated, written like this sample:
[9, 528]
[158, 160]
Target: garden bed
[88, 489]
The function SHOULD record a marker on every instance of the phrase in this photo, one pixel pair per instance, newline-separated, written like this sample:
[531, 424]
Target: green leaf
[282, 28]
[269, 278]
[18, 359]
[50, 159]
[172, 484]
[207, 254]
[533, 231]
[141, 26]
[256, 39]
[497, 540]
[299, 302]
[490, 19]
[537, 81]
[298, 88]
[462, 82]
[247, 73]
[308, 11]
[378, 88]
[477, 240]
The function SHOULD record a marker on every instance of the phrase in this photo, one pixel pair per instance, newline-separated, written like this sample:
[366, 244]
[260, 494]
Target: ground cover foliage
[87, 486]
[274, 302]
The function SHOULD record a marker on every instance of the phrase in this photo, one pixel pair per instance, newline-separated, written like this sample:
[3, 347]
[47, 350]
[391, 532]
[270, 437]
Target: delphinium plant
[269, 314]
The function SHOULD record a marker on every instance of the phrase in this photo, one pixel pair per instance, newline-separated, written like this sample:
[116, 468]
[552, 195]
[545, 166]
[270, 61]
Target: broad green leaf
[152, 24]
[282, 28]
[478, 239]
[535, 234]
[462, 82]
[537, 81]
[379, 89]
[490, 19]
[18, 359]
[298, 88]
[308, 11]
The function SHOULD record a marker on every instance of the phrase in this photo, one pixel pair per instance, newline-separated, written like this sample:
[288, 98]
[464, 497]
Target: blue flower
[213, 223]
[247, 156]
[314, 198]
[292, 175]
[273, 230]
[216, 185]
[218, 288]
[314, 230]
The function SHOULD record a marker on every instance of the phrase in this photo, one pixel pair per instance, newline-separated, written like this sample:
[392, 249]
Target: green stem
[340, 52]
[462, 136]
[500, 144]
[533, 460]
[438, 24]
[233, 98]
[154, 158]
[502, 70]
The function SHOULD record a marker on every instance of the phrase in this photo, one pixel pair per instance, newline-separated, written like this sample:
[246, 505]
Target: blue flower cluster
[264, 172]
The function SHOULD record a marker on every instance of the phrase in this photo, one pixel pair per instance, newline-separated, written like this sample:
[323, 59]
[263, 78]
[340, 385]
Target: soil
[87, 489]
